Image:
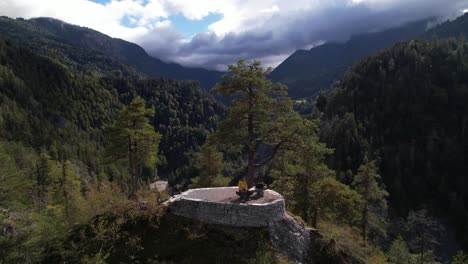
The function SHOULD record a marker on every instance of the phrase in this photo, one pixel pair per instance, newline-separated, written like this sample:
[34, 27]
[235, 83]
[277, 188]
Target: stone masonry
[220, 206]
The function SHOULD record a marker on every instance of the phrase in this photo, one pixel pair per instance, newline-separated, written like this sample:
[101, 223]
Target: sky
[214, 33]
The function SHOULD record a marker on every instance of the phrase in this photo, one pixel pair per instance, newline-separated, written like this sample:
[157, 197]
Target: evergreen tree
[335, 201]
[134, 141]
[43, 180]
[209, 163]
[366, 183]
[423, 231]
[15, 184]
[68, 191]
[308, 184]
[260, 114]
[460, 258]
[398, 253]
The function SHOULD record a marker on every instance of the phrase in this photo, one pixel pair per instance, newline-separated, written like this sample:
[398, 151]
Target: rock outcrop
[219, 206]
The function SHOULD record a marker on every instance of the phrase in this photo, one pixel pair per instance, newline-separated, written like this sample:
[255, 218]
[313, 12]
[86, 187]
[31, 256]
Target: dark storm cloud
[283, 32]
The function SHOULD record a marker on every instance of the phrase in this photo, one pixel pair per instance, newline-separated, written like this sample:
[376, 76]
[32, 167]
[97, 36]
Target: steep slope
[450, 29]
[47, 105]
[160, 237]
[306, 72]
[51, 33]
[185, 115]
[43, 103]
[407, 108]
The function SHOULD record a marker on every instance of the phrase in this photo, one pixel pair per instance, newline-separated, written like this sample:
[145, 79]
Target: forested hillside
[48, 105]
[306, 72]
[376, 164]
[184, 116]
[65, 131]
[85, 47]
[406, 107]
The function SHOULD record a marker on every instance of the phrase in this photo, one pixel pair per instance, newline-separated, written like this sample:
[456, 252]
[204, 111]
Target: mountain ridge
[123, 52]
[306, 72]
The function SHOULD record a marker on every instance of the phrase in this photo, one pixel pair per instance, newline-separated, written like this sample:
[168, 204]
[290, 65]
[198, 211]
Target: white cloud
[269, 30]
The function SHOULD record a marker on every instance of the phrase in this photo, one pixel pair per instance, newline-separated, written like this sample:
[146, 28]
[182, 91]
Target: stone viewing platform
[222, 206]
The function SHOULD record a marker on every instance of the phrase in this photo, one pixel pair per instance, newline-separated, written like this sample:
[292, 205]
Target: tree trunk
[251, 146]
[131, 167]
[64, 190]
[251, 169]
[39, 187]
[422, 251]
[314, 218]
[364, 224]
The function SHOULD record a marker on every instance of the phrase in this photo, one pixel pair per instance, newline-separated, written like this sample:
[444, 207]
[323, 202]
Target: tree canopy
[261, 115]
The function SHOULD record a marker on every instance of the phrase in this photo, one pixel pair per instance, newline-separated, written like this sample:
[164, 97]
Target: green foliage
[53, 115]
[336, 202]
[307, 72]
[15, 185]
[343, 240]
[398, 253]
[258, 114]
[423, 231]
[155, 237]
[460, 258]
[302, 176]
[67, 192]
[184, 116]
[406, 107]
[96, 54]
[366, 183]
[64, 110]
[134, 142]
[209, 163]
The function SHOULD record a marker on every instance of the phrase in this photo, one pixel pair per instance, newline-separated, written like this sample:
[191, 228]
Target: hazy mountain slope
[450, 29]
[50, 33]
[306, 72]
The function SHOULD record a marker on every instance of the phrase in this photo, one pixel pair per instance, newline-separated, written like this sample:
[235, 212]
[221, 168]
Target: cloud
[270, 31]
[267, 30]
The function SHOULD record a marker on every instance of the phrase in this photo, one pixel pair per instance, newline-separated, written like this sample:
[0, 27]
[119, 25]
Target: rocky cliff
[220, 209]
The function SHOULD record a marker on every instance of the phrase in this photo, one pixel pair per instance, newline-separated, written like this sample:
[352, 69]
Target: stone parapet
[219, 206]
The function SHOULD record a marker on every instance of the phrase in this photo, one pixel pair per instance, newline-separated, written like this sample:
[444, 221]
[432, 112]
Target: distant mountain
[83, 45]
[306, 72]
[450, 29]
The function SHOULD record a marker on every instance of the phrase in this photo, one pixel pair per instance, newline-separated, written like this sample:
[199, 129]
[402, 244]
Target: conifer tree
[68, 190]
[42, 179]
[366, 183]
[423, 231]
[134, 141]
[398, 253]
[460, 258]
[209, 163]
[260, 114]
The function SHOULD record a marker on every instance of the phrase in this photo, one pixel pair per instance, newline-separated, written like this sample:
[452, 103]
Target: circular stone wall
[222, 206]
